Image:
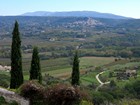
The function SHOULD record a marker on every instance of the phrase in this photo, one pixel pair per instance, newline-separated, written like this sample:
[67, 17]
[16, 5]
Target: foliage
[3, 102]
[133, 88]
[50, 80]
[129, 102]
[13, 103]
[4, 82]
[117, 38]
[75, 70]
[16, 59]
[86, 103]
[33, 91]
[61, 94]
[35, 72]
[98, 99]
[112, 84]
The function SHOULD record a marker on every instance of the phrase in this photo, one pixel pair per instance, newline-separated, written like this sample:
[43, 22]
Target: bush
[33, 91]
[4, 83]
[134, 88]
[2, 100]
[13, 103]
[102, 98]
[98, 98]
[86, 103]
[62, 95]
[112, 84]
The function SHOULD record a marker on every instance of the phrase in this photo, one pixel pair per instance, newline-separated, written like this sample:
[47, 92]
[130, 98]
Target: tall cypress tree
[75, 70]
[16, 59]
[35, 71]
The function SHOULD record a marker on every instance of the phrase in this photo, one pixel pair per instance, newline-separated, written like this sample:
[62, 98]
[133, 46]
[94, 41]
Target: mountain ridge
[76, 14]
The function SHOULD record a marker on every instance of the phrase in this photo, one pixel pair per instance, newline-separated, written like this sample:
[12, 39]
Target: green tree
[35, 71]
[112, 84]
[16, 59]
[110, 74]
[75, 70]
[98, 98]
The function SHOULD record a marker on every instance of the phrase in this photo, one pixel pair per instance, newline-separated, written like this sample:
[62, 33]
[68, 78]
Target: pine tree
[16, 59]
[75, 70]
[35, 71]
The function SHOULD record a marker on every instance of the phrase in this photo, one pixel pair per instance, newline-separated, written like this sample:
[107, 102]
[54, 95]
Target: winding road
[101, 83]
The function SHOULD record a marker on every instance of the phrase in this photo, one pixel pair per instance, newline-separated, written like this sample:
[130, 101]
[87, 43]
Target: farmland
[61, 68]
[102, 47]
[89, 68]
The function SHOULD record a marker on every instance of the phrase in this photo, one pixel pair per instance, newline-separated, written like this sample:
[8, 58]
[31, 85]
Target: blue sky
[129, 8]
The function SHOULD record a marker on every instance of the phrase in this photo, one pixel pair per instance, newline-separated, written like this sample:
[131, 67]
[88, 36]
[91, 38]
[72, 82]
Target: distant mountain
[75, 14]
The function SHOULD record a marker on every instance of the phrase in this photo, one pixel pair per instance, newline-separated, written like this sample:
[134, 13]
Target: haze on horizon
[128, 8]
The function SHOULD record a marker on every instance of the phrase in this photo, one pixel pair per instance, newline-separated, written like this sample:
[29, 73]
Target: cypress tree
[16, 59]
[35, 71]
[75, 70]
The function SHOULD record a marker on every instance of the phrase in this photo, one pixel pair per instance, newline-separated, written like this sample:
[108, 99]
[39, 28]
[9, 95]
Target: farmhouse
[131, 73]
[126, 74]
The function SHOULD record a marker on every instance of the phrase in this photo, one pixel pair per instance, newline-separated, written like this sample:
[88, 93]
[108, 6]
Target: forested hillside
[102, 37]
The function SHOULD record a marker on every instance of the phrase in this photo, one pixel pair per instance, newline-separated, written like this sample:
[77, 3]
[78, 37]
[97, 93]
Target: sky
[128, 8]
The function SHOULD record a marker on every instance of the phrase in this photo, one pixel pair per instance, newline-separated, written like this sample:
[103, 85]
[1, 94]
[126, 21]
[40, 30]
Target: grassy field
[89, 79]
[61, 68]
[86, 62]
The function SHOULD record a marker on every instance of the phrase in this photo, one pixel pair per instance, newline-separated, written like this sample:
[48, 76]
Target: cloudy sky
[129, 8]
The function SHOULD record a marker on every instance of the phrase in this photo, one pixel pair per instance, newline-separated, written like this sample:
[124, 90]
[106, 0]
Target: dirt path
[12, 96]
[101, 83]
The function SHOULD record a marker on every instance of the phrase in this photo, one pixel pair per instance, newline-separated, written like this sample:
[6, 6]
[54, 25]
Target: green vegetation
[112, 46]
[108, 37]
[75, 70]
[130, 102]
[86, 62]
[35, 72]
[59, 94]
[3, 102]
[16, 59]
[4, 79]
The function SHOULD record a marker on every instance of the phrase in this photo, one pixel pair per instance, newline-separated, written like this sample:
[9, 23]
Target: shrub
[59, 94]
[50, 80]
[86, 103]
[13, 103]
[4, 83]
[33, 91]
[134, 88]
[62, 95]
[98, 98]
[2, 100]
[112, 84]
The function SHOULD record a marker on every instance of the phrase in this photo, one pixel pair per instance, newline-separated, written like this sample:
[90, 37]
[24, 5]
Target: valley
[108, 47]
